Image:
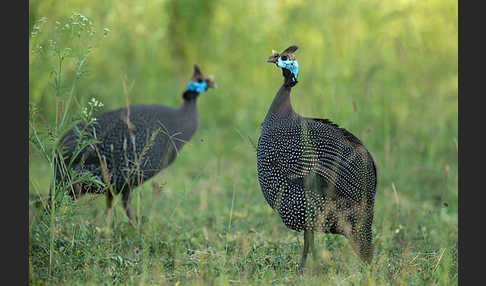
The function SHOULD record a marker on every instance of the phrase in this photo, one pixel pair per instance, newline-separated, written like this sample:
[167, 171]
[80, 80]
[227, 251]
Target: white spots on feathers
[316, 175]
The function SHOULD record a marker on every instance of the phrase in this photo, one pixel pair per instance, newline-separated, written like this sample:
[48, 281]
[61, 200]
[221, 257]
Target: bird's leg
[308, 242]
[126, 203]
[109, 203]
[108, 200]
[311, 245]
[109, 209]
[76, 191]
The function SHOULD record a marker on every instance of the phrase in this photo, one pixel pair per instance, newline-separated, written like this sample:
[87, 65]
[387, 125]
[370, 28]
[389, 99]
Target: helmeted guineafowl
[135, 143]
[317, 176]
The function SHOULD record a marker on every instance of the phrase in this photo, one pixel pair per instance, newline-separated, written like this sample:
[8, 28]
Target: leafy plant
[66, 47]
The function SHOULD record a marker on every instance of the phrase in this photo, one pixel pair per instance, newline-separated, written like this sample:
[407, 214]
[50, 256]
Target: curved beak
[210, 81]
[272, 59]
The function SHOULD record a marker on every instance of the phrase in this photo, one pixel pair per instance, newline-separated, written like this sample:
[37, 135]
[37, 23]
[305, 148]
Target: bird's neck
[190, 95]
[189, 106]
[281, 105]
[188, 115]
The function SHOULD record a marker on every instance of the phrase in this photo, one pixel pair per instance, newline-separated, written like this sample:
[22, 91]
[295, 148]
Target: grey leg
[308, 243]
[126, 203]
[311, 246]
[76, 192]
[109, 200]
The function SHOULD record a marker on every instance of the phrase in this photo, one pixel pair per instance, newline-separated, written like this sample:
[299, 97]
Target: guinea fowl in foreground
[135, 143]
[317, 176]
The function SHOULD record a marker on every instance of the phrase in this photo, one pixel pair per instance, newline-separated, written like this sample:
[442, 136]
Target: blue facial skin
[196, 86]
[292, 66]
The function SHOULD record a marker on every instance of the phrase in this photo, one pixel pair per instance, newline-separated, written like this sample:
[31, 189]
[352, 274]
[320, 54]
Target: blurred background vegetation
[384, 70]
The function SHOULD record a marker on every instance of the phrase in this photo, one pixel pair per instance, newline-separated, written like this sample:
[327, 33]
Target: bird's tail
[362, 236]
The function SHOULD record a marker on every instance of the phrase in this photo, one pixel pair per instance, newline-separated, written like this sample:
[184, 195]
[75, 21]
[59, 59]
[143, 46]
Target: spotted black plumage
[316, 175]
[135, 143]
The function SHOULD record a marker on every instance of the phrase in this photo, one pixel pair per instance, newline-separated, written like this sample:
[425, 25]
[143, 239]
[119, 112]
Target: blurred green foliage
[385, 70]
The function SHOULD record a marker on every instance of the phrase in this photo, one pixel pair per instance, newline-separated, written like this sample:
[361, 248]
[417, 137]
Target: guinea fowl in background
[135, 143]
[317, 176]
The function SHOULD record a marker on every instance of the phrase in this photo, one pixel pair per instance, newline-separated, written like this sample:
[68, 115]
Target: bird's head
[198, 83]
[287, 61]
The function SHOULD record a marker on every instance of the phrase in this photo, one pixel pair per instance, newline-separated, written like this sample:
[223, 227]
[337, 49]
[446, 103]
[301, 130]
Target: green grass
[386, 72]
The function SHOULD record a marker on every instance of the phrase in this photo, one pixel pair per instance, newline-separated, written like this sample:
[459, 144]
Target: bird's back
[135, 143]
[305, 163]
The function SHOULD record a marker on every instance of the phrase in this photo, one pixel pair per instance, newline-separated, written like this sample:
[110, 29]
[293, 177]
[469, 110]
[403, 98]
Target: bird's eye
[284, 58]
[199, 80]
